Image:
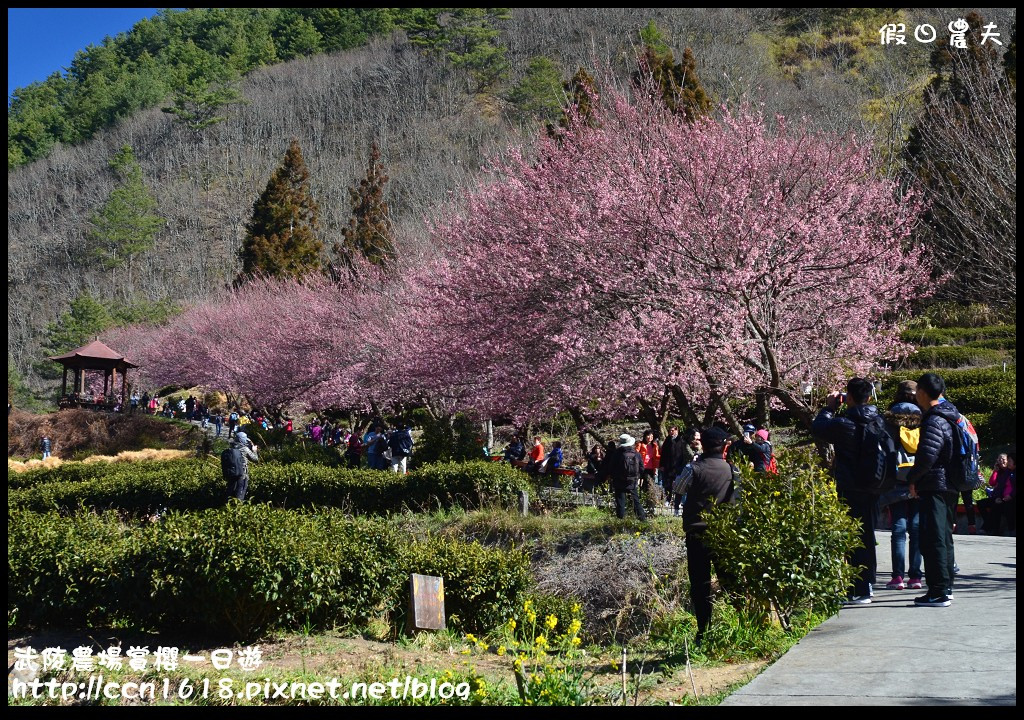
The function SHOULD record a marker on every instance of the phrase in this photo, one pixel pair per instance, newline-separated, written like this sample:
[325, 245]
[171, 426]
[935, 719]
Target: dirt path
[332, 655]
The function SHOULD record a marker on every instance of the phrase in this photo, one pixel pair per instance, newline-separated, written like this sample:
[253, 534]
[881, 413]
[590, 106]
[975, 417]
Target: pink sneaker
[895, 584]
[914, 584]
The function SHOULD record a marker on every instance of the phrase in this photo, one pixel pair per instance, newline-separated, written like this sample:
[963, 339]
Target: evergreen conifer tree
[281, 237]
[680, 88]
[369, 231]
[127, 223]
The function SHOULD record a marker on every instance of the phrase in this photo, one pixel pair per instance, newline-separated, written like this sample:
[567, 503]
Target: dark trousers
[698, 564]
[937, 511]
[862, 509]
[238, 489]
[620, 501]
[968, 500]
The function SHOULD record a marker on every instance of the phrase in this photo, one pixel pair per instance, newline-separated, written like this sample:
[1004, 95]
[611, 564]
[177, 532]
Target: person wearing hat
[712, 482]
[626, 467]
[755, 447]
[234, 463]
[903, 422]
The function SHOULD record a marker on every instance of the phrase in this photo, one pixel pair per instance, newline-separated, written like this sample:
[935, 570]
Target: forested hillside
[438, 92]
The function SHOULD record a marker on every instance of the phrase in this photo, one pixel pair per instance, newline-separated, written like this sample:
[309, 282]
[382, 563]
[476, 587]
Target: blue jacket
[555, 458]
[935, 449]
[841, 432]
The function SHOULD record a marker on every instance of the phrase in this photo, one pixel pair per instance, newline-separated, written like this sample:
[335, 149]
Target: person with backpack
[234, 463]
[46, 446]
[903, 420]
[850, 434]
[933, 480]
[401, 444]
[232, 422]
[626, 467]
[713, 481]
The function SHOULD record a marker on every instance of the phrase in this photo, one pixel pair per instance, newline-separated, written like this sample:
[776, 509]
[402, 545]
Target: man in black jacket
[626, 467]
[927, 478]
[712, 483]
[673, 457]
[845, 433]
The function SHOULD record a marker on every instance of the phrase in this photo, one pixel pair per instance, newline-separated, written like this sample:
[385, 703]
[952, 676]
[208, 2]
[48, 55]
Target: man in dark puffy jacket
[626, 467]
[712, 482]
[935, 452]
[673, 452]
[845, 432]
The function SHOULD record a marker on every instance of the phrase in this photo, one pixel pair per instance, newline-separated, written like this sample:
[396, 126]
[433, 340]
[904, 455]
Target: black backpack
[233, 467]
[401, 443]
[631, 465]
[877, 457]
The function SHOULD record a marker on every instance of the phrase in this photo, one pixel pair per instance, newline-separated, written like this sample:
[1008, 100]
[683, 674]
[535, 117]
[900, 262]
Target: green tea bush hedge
[198, 484]
[241, 570]
[785, 540]
[961, 335]
[945, 356]
[68, 570]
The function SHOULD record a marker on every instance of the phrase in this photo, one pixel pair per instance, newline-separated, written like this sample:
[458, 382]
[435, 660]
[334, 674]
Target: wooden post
[124, 382]
[113, 385]
[106, 379]
[64, 384]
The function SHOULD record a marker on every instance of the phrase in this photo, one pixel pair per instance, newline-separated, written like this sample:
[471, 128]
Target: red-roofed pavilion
[94, 356]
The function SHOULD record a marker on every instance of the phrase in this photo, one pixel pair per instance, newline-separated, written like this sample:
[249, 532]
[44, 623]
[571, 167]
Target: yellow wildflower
[575, 641]
[575, 608]
[541, 641]
[551, 621]
[501, 650]
[470, 638]
[531, 616]
[574, 627]
[527, 605]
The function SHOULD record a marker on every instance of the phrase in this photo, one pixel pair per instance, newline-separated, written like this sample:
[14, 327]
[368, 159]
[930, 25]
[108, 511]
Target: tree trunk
[489, 434]
[730, 417]
[712, 410]
[657, 417]
[683, 404]
[761, 407]
[581, 429]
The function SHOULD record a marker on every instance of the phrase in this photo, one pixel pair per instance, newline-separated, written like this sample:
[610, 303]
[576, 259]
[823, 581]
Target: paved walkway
[892, 653]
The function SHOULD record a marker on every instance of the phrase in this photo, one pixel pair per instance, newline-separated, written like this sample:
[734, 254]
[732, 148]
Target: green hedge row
[988, 397]
[944, 356]
[960, 335]
[197, 484]
[241, 570]
[954, 378]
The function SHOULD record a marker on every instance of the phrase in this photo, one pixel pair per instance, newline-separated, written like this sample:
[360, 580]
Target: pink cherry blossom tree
[646, 254]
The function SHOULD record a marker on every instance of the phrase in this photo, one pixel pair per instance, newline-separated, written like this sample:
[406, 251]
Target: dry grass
[77, 433]
[127, 456]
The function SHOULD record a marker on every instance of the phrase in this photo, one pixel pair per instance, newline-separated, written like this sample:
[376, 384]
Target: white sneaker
[859, 600]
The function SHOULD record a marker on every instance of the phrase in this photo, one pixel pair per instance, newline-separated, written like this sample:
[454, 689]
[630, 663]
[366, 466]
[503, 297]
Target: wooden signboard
[426, 603]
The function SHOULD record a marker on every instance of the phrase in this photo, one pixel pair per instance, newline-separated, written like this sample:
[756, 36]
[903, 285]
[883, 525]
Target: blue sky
[41, 41]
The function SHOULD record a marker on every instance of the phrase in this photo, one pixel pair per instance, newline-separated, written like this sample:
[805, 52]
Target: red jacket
[651, 455]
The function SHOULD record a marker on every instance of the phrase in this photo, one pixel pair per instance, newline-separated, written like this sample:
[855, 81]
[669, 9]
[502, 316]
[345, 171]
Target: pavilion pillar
[106, 379]
[124, 386]
[64, 383]
[80, 380]
[113, 385]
